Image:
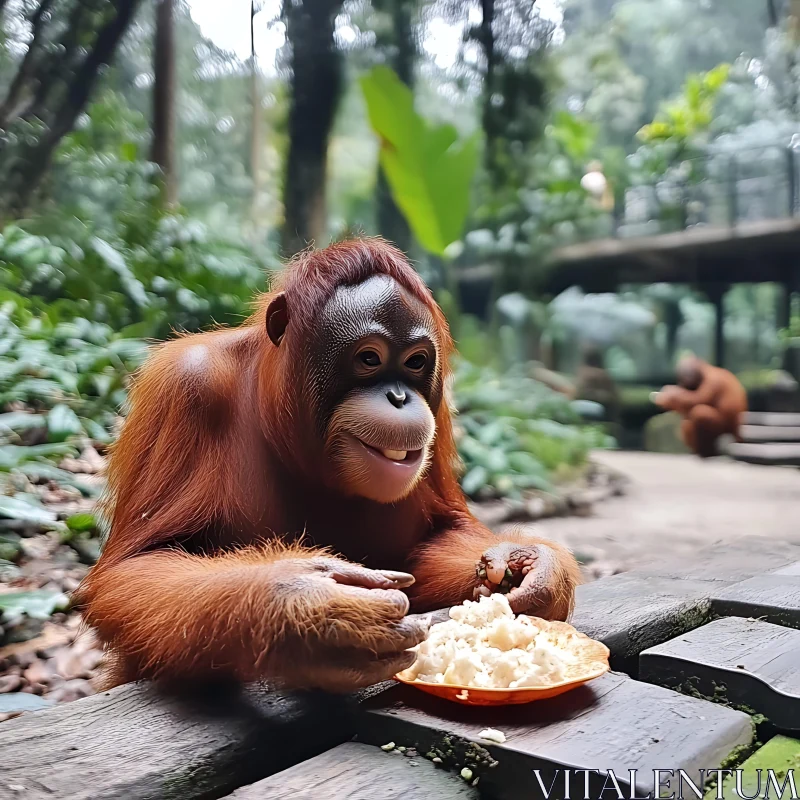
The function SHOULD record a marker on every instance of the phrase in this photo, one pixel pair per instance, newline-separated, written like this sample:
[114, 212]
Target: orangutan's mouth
[405, 457]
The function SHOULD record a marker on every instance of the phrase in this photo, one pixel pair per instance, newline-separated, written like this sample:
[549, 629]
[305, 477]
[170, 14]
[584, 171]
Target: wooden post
[716, 294]
[733, 191]
[784, 305]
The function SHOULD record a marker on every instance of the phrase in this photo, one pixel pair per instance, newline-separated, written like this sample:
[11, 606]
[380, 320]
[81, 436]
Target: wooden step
[769, 433]
[354, 771]
[772, 418]
[773, 454]
[639, 609]
[744, 662]
[613, 723]
[136, 743]
[772, 596]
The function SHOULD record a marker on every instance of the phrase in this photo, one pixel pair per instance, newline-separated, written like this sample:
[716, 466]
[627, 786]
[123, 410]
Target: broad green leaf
[14, 508]
[63, 422]
[94, 430]
[474, 480]
[9, 546]
[12, 455]
[42, 471]
[82, 523]
[9, 571]
[429, 171]
[390, 108]
[128, 151]
[15, 702]
[36, 604]
[21, 421]
[114, 260]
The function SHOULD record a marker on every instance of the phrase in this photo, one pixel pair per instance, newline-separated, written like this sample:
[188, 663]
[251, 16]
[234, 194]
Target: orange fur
[713, 409]
[216, 479]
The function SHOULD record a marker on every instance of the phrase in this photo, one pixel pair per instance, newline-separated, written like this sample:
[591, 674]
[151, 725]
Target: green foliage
[428, 169]
[170, 276]
[576, 137]
[104, 250]
[82, 523]
[520, 229]
[692, 113]
[517, 434]
[36, 604]
[72, 373]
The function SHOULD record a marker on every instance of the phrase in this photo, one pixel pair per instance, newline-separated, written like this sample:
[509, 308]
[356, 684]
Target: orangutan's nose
[397, 396]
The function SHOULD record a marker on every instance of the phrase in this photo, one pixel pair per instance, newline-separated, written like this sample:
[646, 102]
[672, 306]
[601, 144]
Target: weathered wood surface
[772, 454]
[354, 771]
[750, 251]
[134, 744]
[780, 754]
[613, 723]
[774, 596]
[745, 662]
[728, 562]
[648, 606]
[771, 419]
[630, 612]
[769, 433]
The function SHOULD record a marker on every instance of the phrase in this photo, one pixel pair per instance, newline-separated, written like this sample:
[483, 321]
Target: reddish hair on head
[311, 277]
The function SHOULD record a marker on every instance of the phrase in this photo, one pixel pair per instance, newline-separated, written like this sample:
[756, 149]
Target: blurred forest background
[159, 158]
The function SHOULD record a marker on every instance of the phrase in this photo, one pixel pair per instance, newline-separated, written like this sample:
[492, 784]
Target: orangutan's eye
[417, 362]
[369, 358]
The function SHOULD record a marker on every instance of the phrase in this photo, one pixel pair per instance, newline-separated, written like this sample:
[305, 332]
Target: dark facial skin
[377, 386]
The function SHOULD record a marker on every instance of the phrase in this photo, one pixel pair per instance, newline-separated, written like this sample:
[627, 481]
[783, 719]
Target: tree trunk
[315, 87]
[61, 67]
[255, 120]
[163, 152]
[23, 83]
[391, 222]
[489, 127]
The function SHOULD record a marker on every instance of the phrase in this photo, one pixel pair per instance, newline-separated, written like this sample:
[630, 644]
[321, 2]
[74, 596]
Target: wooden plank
[769, 433]
[354, 771]
[629, 612]
[748, 663]
[613, 723]
[774, 596]
[731, 562]
[773, 454]
[781, 755]
[640, 609]
[749, 252]
[771, 419]
[138, 744]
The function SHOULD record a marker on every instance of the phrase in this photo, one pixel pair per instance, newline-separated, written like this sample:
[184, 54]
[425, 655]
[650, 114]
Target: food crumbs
[466, 774]
[492, 735]
[388, 746]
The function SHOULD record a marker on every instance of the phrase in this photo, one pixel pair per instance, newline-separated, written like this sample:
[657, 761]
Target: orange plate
[592, 663]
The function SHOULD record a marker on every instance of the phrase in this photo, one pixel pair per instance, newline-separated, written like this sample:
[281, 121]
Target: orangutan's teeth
[395, 455]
